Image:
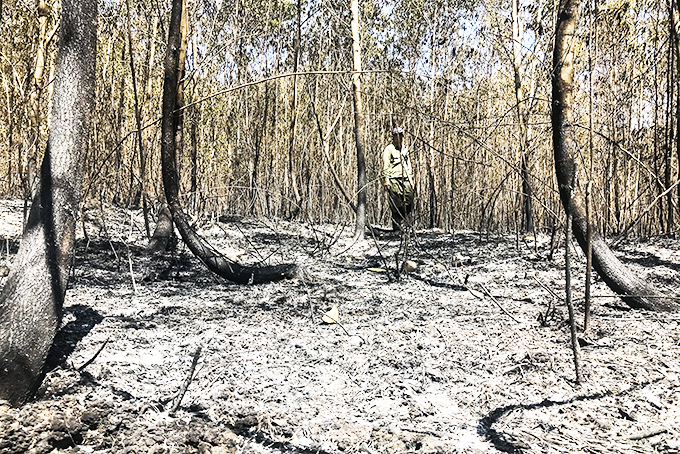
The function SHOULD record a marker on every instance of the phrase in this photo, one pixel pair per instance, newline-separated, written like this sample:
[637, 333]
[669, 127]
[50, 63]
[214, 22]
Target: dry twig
[648, 433]
[487, 293]
[91, 360]
[336, 322]
[187, 381]
[570, 304]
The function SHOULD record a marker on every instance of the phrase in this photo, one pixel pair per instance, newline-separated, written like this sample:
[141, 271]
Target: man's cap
[397, 131]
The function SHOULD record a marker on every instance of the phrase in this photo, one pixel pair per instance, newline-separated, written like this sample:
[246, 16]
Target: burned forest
[372, 226]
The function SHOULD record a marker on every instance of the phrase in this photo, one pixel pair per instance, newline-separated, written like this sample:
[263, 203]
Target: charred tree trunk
[164, 231]
[633, 290]
[160, 240]
[358, 125]
[215, 262]
[433, 190]
[31, 301]
[179, 104]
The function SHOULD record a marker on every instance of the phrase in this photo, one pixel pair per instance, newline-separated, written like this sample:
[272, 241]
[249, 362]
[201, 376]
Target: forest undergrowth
[469, 353]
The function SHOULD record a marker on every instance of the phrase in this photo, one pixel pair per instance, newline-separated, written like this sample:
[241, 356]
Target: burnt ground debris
[419, 363]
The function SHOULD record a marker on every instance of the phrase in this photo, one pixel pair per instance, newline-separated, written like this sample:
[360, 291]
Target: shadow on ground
[71, 333]
[508, 443]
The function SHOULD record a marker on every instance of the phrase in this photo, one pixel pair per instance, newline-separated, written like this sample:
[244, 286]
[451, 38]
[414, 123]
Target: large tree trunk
[634, 291]
[202, 249]
[358, 125]
[31, 301]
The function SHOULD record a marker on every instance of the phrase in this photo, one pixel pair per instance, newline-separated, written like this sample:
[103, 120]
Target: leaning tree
[633, 290]
[32, 298]
[216, 262]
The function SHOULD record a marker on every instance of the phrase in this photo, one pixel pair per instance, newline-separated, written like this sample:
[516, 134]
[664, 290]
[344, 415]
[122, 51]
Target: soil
[468, 353]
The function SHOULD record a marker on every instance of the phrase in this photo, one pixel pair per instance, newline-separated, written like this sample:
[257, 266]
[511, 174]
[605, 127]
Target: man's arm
[387, 164]
[409, 169]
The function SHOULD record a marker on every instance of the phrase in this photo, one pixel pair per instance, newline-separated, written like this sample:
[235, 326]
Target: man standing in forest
[398, 178]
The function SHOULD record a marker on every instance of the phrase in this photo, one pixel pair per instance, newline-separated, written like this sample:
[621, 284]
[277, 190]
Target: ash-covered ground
[470, 353]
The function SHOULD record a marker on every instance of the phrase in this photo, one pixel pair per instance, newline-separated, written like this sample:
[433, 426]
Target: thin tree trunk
[138, 118]
[431, 157]
[675, 12]
[32, 298]
[658, 139]
[433, 189]
[30, 180]
[668, 139]
[9, 93]
[181, 70]
[194, 115]
[634, 291]
[575, 348]
[527, 210]
[254, 163]
[118, 134]
[193, 136]
[293, 114]
[149, 95]
[668, 149]
[592, 44]
[358, 125]
[617, 183]
[655, 157]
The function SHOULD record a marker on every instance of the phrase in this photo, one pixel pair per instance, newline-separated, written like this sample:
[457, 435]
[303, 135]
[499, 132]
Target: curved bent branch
[215, 262]
[633, 289]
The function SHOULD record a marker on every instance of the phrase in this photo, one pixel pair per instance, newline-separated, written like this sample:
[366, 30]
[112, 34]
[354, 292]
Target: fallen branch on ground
[187, 381]
[487, 293]
[91, 360]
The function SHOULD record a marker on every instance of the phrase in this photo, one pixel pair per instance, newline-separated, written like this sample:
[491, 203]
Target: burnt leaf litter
[468, 353]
